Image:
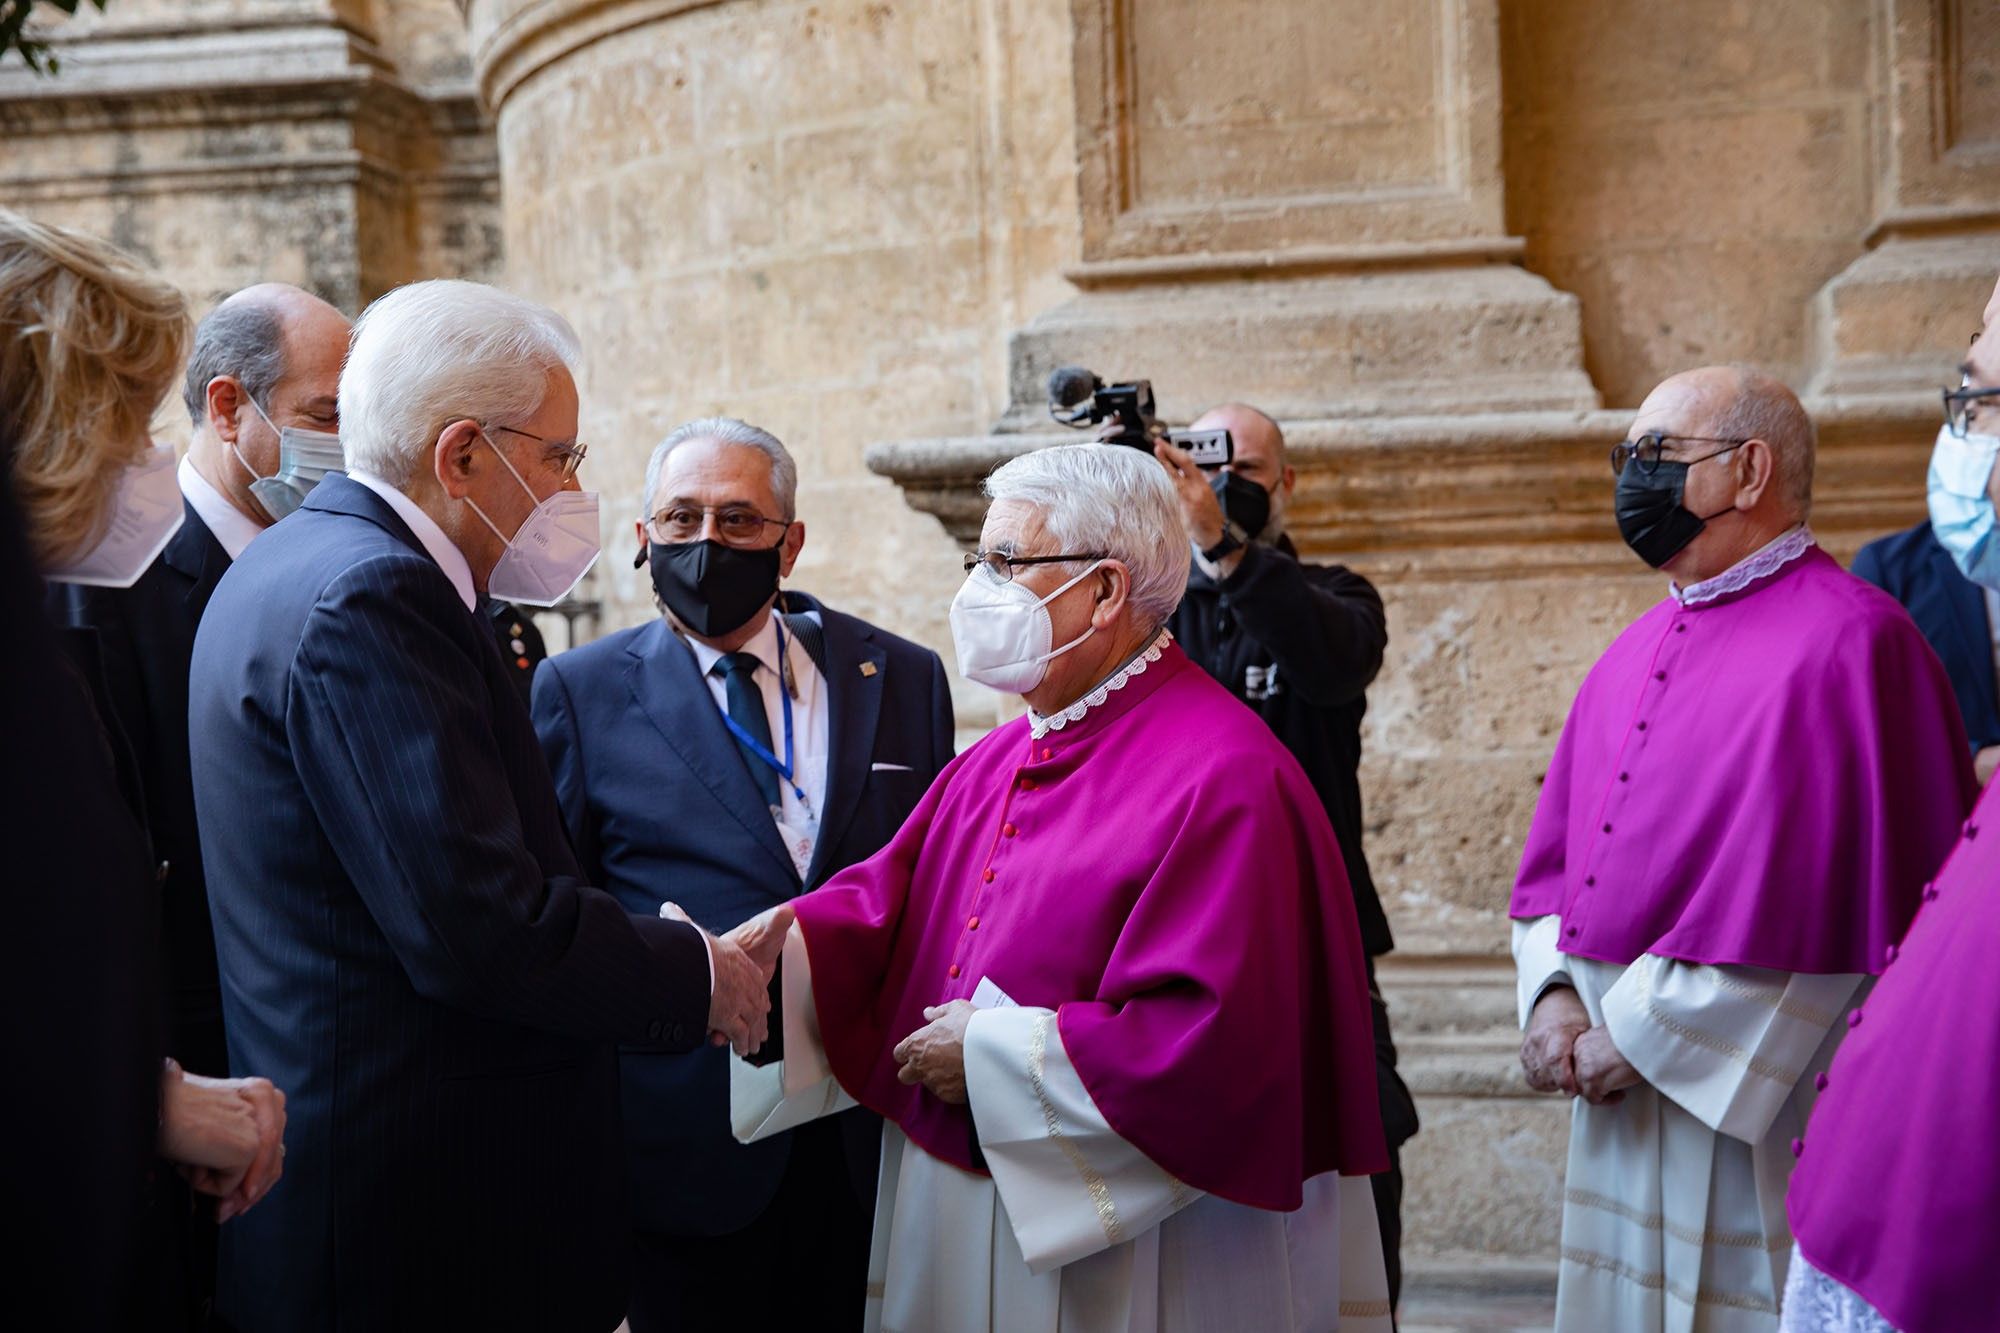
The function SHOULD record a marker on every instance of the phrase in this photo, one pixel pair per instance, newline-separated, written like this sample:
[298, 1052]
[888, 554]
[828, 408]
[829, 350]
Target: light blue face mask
[1961, 510]
[304, 458]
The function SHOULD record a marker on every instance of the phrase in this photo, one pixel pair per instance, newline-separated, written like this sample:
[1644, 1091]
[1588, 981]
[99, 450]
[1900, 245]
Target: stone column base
[1484, 337]
[1898, 319]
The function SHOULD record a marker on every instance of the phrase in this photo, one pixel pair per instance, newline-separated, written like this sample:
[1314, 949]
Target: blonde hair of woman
[90, 343]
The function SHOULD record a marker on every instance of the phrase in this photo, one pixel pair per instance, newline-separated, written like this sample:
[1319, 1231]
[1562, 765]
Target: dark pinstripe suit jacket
[407, 949]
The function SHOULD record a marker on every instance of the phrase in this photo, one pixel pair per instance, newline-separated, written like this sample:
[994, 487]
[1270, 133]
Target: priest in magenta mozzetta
[1896, 1200]
[1106, 986]
[1754, 784]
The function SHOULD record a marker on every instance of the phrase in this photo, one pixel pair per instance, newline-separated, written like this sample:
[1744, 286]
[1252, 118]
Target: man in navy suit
[1955, 614]
[266, 360]
[725, 758]
[406, 943]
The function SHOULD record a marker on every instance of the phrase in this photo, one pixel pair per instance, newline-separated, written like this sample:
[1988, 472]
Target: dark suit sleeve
[1326, 633]
[944, 721]
[562, 743]
[389, 722]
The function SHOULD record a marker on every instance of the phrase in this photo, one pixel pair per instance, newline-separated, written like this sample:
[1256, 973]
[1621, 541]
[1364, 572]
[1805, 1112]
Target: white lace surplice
[1815, 1303]
[1674, 1201]
[1076, 1230]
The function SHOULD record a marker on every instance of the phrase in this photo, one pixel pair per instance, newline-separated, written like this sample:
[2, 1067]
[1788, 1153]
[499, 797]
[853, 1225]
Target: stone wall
[335, 144]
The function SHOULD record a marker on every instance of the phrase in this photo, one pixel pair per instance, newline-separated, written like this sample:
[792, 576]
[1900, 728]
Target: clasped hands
[1563, 1052]
[739, 1002]
[226, 1136]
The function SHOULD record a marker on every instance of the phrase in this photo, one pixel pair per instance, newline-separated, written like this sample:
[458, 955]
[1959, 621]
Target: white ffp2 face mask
[1002, 633]
[550, 552]
[145, 515]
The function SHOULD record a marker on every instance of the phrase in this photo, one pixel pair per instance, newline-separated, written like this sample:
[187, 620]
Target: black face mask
[1244, 502]
[711, 588]
[1650, 516]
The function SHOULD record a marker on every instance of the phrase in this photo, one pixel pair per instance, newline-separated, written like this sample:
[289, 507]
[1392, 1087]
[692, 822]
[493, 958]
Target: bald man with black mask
[1299, 643]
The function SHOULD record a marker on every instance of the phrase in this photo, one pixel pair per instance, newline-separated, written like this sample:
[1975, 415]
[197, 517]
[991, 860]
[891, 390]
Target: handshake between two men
[739, 1011]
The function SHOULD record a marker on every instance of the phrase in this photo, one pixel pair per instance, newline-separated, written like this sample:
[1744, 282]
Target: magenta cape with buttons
[1161, 875]
[1766, 779]
[1898, 1182]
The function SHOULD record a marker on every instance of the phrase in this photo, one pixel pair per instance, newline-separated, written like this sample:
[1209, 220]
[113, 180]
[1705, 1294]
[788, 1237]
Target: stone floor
[1480, 1298]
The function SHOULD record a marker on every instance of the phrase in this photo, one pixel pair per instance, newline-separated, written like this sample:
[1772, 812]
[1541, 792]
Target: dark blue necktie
[746, 710]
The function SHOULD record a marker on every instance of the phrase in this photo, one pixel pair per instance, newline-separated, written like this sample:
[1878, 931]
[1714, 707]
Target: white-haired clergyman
[1106, 985]
[406, 941]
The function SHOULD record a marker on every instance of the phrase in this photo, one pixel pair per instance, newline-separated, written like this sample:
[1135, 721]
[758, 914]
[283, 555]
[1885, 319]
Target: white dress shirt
[798, 820]
[441, 548]
[231, 526]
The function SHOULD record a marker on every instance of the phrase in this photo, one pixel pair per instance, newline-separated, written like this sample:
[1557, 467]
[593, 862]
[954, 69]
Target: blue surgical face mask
[1961, 510]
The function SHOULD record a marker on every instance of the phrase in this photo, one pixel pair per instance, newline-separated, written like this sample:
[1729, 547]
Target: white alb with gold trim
[1076, 1230]
[1674, 1203]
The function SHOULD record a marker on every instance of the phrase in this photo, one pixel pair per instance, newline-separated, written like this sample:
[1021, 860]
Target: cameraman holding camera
[1299, 643]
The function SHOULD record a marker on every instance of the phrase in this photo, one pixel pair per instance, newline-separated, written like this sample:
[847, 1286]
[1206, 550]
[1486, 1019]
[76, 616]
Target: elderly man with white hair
[405, 938]
[1106, 985]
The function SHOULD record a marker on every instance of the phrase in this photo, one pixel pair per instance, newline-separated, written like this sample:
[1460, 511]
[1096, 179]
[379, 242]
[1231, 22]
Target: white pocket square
[890, 768]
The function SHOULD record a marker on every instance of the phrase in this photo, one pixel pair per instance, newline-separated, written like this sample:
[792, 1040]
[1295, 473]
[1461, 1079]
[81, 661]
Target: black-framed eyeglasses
[1962, 405]
[738, 525]
[1001, 565]
[1646, 451]
[573, 454]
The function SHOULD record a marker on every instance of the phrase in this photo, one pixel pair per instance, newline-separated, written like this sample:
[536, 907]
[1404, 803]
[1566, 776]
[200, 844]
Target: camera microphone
[1071, 385]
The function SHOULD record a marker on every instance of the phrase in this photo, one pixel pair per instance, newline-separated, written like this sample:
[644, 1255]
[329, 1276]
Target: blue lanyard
[754, 746]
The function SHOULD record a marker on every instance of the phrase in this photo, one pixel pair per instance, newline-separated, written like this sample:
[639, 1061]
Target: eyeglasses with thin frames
[1001, 565]
[1647, 451]
[737, 525]
[573, 454]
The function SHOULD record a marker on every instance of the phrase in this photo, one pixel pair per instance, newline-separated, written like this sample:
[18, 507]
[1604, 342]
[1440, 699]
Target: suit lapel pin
[867, 668]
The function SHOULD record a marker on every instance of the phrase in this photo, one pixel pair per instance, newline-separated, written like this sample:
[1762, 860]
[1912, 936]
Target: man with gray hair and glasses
[1106, 985]
[405, 936]
[739, 750]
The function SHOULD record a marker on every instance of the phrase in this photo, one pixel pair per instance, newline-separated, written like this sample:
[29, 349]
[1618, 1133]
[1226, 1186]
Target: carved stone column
[1302, 207]
[1897, 320]
[335, 144]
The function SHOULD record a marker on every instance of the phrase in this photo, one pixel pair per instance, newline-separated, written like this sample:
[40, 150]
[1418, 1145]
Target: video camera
[1077, 397]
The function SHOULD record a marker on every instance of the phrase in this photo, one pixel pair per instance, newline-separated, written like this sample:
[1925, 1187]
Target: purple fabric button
[1642, 726]
[1798, 1147]
[1571, 932]
[1854, 1019]
[1607, 828]
[1590, 881]
[1930, 893]
[1819, 1083]
[1659, 675]
[1889, 955]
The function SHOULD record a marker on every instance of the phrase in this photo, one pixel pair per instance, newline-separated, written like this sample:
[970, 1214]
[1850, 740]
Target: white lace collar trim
[1040, 726]
[1774, 556]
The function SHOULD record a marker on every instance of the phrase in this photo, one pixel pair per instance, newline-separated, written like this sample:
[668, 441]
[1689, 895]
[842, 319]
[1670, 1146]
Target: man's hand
[1558, 1019]
[739, 1006]
[1602, 1074]
[227, 1136]
[763, 936]
[934, 1055]
[1201, 512]
[1985, 762]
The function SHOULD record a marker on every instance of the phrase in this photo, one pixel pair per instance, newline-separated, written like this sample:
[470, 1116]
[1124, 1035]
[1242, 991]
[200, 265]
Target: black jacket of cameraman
[1300, 643]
